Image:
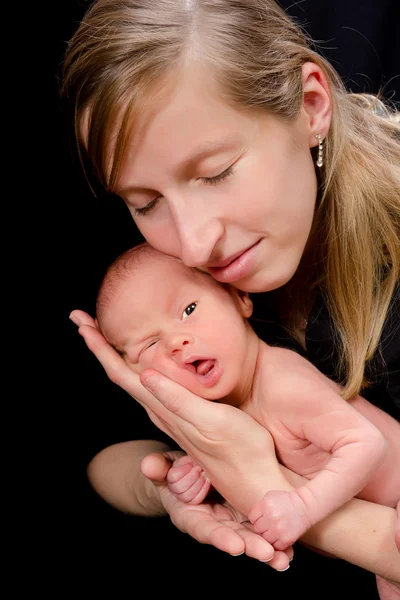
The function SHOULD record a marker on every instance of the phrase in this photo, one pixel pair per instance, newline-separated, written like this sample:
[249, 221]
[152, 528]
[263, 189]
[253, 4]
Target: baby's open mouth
[202, 366]
[207, 370]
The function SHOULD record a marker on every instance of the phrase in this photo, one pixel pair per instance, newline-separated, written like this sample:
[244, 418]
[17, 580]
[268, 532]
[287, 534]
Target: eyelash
[192, 306]
[218, 178]
[140, 212]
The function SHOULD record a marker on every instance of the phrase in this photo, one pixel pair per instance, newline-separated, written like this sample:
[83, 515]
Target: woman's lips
[238, 268]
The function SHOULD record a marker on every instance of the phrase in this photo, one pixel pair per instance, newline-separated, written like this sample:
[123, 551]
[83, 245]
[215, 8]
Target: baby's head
[158, 313]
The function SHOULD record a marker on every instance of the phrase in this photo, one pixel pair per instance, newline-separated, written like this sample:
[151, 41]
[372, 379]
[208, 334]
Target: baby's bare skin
[343, 448]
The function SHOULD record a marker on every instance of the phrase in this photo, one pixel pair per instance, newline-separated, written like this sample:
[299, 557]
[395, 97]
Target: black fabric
[94, 547]
[382, 371]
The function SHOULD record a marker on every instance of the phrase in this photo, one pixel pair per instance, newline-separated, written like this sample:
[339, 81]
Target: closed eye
[140, 212]
[217, 178]
[151, 344]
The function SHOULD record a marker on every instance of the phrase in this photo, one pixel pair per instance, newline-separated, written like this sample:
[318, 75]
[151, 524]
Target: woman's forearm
[360, 532]
[115, 475]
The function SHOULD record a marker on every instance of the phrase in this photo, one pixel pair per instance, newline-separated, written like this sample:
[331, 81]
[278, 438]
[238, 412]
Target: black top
[383, 371]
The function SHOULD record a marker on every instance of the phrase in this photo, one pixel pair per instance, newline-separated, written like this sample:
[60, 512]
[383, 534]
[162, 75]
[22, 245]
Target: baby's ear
[245, 303]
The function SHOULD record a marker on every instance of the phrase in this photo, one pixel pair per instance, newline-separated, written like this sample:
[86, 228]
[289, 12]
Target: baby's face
[185, 325]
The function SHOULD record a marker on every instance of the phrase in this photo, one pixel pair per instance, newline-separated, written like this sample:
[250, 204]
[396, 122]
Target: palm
[219, 524]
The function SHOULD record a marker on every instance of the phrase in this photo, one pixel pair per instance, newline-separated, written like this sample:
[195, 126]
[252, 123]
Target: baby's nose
[178, 342]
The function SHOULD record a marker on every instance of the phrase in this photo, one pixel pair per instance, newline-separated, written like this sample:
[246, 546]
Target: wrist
[293, 480]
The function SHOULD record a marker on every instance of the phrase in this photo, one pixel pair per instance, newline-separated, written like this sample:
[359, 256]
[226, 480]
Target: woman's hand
[218, 524]
[236, 452]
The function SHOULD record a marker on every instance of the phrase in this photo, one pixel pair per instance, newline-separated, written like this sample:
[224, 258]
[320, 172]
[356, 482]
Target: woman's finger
[79, 317]
[120, 374]
[114, 365]
[173, 396]
[207, 417]
[207, 530]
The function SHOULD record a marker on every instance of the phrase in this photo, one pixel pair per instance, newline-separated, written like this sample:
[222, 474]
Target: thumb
[155, 466]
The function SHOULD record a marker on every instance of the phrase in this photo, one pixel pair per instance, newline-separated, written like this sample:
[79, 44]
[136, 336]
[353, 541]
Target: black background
[91, 545]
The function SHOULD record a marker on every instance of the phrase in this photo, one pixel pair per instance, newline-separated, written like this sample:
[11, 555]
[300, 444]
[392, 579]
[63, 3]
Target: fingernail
[74, 319]
[282, 570]
[238, 554]
[267, 560]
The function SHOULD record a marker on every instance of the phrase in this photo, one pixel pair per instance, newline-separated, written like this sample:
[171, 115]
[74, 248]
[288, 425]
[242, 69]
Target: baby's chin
[220, 392]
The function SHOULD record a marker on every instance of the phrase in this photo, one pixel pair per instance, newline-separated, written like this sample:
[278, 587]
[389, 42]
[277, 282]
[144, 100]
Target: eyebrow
[208, 149]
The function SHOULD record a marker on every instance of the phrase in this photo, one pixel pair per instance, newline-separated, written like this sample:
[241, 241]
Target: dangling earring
[320, 160]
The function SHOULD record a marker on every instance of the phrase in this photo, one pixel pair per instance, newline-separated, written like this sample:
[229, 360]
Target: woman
[236, 148]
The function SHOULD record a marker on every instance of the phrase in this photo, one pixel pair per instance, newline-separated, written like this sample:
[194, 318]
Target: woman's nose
[199, 234]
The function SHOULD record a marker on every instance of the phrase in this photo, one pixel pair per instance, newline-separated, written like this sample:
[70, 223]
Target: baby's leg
[187, 481]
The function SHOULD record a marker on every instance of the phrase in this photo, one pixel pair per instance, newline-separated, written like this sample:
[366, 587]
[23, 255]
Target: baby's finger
[203, 491]
[255, 513]
[188, 474]
[183, 460]
[196, 493]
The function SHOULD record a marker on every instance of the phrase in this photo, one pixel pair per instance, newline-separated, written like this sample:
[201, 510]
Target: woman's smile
[237, 268]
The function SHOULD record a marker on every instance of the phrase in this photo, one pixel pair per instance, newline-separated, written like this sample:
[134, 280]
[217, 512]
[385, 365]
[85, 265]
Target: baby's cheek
[149, 359]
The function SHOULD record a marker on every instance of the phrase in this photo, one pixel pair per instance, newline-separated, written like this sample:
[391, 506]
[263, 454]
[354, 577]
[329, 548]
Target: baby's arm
[187, 481]
[357, 449]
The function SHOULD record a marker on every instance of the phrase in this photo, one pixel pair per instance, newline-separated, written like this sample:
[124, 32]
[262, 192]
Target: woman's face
[230, 191]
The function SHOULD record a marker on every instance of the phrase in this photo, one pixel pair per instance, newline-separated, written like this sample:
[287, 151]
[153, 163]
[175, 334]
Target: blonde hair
[123, 48]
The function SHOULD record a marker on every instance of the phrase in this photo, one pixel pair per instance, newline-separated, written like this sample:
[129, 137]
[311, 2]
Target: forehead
[158, 276]
[178, 124]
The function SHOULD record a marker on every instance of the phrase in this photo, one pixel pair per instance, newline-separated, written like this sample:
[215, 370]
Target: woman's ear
[317, 102]
[245, 303]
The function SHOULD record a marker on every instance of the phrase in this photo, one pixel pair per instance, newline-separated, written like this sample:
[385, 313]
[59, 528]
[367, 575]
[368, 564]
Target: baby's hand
[187, 481]
[280, 517]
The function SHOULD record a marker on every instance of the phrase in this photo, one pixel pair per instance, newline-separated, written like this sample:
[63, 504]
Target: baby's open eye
[188, 310]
